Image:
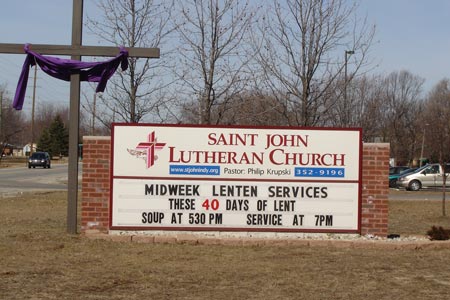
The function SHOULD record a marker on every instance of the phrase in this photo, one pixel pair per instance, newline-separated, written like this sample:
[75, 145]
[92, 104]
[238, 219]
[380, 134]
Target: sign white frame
[230, 178]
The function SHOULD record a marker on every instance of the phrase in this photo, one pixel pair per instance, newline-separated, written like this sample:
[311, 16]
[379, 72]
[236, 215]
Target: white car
[429, 176]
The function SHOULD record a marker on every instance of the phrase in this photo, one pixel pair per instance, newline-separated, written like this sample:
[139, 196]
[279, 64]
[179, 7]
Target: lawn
[39, 260]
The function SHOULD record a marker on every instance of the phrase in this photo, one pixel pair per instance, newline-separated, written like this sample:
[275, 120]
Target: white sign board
[172, 177]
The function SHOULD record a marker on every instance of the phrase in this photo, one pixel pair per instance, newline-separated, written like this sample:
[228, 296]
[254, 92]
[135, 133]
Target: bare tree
[401, 96]
[212, 61]
[387, 108]
[364, 106]
[135, 93]
[12, 123]
[46, 113]
[246, 108]
[303, 49]
[436, 128]
[253, 108]
[435, 123]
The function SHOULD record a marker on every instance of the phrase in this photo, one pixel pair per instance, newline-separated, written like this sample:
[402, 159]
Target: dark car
[394, 177]
[397, 170]
[39, 159]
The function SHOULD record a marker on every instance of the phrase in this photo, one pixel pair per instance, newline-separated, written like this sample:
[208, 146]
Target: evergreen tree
[44, 142]
[60, 137]
[55, 139]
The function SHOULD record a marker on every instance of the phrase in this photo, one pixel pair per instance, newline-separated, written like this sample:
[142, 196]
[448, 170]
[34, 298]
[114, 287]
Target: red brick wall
[95, 187]
[95, 184]
[375, 191]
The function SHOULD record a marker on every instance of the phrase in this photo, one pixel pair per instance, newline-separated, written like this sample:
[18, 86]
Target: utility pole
[32, 109]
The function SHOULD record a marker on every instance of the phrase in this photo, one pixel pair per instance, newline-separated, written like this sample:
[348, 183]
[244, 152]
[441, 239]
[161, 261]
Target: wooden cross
[76, 50]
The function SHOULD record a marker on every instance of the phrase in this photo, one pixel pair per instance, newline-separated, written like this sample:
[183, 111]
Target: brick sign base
[96, 187]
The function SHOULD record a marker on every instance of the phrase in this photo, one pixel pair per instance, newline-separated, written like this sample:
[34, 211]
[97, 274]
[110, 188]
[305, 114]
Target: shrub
[438, 233]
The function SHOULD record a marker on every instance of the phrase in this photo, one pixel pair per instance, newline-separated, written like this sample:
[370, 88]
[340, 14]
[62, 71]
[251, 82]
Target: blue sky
[38, 22]
[412, 35]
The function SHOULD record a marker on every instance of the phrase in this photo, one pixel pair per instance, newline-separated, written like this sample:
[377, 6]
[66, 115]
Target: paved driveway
[21, 179]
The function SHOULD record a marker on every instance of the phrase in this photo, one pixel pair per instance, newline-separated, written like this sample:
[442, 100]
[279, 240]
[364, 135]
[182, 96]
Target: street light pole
[347, 54]
[423, 144]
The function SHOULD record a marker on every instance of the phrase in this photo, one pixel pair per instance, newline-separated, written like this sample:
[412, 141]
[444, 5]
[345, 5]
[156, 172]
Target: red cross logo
[149, 148]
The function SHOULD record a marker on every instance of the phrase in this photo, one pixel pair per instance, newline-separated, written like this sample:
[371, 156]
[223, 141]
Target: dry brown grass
[417, 217]
[38, 260]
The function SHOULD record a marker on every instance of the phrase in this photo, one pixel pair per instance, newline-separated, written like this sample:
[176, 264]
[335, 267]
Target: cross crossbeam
[76, 50]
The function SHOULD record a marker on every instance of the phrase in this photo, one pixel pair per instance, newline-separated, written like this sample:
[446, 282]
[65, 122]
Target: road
[21, 179]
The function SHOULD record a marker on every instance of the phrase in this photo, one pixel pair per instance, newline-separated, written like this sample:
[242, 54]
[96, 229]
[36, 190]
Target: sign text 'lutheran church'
[198, 178]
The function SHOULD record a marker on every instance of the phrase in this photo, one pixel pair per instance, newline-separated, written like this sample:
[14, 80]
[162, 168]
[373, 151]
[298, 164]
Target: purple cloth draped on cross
[62, 68]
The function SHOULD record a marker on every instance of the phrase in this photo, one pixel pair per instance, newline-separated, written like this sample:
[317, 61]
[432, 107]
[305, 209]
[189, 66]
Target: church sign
[223, 178]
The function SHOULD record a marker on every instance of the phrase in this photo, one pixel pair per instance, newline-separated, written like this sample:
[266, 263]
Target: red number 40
[213, 204]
